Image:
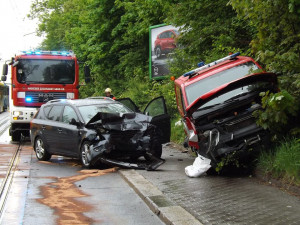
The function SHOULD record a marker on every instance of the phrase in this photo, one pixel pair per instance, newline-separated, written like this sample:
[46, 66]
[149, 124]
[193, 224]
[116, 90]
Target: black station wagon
[102, 130]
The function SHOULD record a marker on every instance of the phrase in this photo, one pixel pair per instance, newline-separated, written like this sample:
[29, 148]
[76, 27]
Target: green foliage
[276, 46]
[111, 36]
[209, 30]
[284, 162]
[177, 131]
[279, 110]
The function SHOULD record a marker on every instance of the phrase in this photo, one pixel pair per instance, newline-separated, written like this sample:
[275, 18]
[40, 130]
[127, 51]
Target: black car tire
[158, 52]
[16, 136]
[40, 150]
[156, 148]
[84, 154]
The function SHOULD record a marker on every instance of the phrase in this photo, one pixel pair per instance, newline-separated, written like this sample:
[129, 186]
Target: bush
[279, 110]
[283, 162]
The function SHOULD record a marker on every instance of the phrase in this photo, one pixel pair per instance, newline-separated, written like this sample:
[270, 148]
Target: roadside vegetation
[112, 38]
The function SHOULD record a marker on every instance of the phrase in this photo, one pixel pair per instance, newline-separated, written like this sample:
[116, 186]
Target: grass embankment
[282, 162]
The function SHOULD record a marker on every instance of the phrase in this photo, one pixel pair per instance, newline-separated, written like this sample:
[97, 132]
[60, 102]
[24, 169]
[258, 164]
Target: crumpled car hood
[201, 100]
[128, 132]
[121, 121]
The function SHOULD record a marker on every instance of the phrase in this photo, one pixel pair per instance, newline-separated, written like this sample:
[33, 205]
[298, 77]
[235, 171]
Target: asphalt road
[62, 192]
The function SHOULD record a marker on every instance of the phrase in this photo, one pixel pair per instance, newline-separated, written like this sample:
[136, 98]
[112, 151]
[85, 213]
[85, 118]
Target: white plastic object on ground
[199, 167]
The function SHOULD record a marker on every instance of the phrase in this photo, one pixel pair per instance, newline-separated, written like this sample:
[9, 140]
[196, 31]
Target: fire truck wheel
[16, 136]
[40, 150]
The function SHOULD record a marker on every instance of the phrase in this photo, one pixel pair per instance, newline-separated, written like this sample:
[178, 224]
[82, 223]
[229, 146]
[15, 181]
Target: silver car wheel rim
[85, 155]
[39, 148]
[158, 52]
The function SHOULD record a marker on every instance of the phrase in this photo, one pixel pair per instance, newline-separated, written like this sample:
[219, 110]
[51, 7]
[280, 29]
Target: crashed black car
[102, 130]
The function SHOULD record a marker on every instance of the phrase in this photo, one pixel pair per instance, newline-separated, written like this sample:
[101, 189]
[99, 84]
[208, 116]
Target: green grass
[283, 162]
[177, 132]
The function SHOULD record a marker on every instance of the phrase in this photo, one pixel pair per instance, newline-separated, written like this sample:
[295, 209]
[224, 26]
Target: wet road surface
[62, 192]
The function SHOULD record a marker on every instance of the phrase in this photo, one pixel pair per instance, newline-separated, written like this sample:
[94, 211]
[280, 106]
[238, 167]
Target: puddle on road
[62, 196]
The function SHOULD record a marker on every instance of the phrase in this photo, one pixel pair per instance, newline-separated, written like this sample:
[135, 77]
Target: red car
[217, 101]
[165, 42]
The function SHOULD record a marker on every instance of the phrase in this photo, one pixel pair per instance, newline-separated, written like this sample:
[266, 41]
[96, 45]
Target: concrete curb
[166, 210]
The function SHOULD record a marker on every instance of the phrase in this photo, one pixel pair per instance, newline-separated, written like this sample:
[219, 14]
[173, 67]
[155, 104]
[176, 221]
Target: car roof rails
[101, 97]
[202, 65]
[56, 100]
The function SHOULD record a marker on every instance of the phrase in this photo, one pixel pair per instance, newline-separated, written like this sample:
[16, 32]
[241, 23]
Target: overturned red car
[217, 101]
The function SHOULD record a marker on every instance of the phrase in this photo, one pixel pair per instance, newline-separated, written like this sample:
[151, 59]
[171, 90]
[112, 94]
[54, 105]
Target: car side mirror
[5, 69]
[74, 122]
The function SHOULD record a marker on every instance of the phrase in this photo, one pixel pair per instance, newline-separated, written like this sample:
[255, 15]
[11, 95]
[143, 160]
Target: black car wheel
[158, 52]
[40, 150]
[156, 149]
[86, 154]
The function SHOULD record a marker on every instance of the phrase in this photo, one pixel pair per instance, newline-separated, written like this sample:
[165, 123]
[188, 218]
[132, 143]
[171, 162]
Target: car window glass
[55, 112]
[89, 111]
[169, 34]
[46, 110]
[258, 86]
[69, 114]
[179, 98]
[129, 104]
[155, 108]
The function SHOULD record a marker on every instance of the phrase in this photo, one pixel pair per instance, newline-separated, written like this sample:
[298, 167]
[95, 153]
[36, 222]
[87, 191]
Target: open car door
[160, 117]
[158, 111]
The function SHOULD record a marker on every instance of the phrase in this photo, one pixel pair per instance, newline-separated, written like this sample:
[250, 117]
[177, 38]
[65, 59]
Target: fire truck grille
[36, 97]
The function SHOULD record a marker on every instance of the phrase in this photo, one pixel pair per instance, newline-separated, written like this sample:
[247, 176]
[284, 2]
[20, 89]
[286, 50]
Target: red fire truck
[37, 77]
[217, 102]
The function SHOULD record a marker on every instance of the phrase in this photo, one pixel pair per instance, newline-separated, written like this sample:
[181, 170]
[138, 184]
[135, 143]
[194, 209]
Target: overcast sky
[17, 31]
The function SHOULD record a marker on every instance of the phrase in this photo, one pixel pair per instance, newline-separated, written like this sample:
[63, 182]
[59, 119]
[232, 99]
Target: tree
[277, 45]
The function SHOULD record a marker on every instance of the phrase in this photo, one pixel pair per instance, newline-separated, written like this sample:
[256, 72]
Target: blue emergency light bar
[203, 66]
[28, 99]
[37, 52]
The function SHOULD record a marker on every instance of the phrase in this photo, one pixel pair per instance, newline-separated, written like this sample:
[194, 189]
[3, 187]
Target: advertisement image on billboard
[162, 44]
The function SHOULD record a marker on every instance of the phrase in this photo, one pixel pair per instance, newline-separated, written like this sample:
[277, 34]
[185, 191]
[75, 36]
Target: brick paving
[222, 199]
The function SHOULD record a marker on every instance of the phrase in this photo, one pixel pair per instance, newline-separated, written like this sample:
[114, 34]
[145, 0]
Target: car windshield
[89, 111]
[233, 95]
[205, 85]
[46, 71]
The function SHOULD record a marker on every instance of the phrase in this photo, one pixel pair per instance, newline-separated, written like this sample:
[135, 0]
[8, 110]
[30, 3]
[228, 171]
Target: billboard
[162, 42]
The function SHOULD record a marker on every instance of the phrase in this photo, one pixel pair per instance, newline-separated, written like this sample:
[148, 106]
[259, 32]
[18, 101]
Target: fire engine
[36, 78]
[217, 102]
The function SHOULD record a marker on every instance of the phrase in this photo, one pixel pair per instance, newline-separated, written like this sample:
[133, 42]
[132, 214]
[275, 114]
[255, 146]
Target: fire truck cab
[36, 78]
[217, 101]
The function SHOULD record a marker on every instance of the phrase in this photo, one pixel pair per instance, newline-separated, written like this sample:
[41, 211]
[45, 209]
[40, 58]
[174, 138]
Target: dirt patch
[62, 196]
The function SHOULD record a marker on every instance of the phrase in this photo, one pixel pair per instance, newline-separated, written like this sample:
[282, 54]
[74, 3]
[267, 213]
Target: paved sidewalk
[178, 199]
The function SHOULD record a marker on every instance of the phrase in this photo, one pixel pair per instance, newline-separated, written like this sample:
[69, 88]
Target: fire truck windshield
[203, 86]
[46, 71]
